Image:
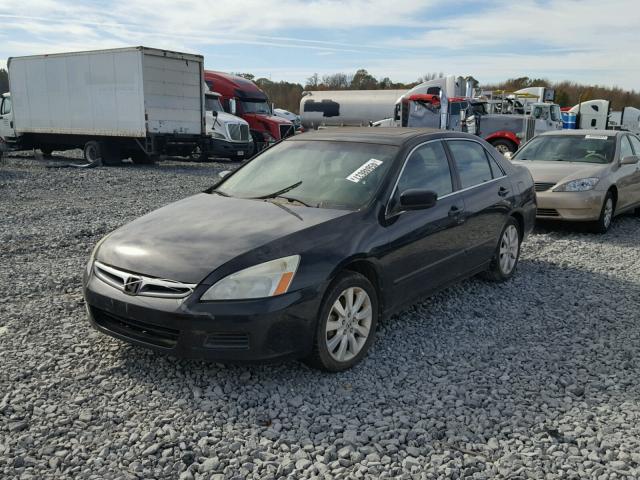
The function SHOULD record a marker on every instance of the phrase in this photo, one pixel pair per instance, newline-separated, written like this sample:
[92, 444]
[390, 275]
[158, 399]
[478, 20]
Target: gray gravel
[536, 378]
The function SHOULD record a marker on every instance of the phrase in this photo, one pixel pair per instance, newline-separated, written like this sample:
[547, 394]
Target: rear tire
[93, 153]
[607, 212]
[346, 324]
[505, 260]
[504, 146]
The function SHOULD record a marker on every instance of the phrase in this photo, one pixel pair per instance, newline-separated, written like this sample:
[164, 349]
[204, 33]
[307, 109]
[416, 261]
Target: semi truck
[228, 135]
[243, 98]
[135, 102]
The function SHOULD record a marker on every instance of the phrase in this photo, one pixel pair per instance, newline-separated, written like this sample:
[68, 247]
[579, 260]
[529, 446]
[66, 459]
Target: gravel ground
[536, 378]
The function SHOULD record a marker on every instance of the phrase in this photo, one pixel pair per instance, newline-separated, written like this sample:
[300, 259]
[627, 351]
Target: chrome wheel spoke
[363, 314]
[333, 342]
[342, 349]
[333, 325]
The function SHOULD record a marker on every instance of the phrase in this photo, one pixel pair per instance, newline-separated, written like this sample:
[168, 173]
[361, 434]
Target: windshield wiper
[278, 193]
[292, 199]
[215, 190]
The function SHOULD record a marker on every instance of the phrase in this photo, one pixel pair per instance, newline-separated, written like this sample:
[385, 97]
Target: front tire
[347, 323]
[505, 260]
[603, 223]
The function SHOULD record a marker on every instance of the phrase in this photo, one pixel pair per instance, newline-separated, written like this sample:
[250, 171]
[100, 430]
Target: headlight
[580, 185]
[264, 280]
[217, 135]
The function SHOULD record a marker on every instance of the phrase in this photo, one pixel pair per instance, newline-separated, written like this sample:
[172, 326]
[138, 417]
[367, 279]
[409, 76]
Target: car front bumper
[570, 206]
[230, 331]
[225, 149]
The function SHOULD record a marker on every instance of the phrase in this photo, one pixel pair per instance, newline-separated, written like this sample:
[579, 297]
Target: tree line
[287, 95]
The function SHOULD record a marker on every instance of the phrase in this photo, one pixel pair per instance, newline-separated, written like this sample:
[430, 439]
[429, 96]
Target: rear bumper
[570, 206]
[226, 149]
[231, 331]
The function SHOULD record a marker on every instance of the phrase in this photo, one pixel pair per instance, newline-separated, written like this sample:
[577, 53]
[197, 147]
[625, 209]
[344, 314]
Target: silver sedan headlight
[263, 280]
[580, 185]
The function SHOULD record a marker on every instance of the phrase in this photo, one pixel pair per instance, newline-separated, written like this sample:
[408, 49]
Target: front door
[626, 175]
[634, 192]
[6, 119]
[425, 248]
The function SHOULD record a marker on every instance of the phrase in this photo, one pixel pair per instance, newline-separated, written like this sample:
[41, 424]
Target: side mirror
[224, 173]
[417, 199]
[508, 155]
[630, 160]
[232, 106]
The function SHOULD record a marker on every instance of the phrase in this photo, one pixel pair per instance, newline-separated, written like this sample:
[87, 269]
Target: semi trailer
[355, 108]
[243, 98]
[135, 102]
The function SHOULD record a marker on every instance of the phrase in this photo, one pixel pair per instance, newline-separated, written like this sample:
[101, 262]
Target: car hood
[554, 172]
[185, 241]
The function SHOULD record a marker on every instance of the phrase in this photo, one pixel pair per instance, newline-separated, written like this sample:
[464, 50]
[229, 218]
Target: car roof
[608, 133]
[376, 135]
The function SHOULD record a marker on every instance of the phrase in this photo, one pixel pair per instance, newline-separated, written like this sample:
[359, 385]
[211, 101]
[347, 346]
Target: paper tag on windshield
[596, 137]
[364, 170]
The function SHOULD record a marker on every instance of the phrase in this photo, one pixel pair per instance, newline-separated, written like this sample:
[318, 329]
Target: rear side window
[471, 160]
[625, 147]
[427, 168]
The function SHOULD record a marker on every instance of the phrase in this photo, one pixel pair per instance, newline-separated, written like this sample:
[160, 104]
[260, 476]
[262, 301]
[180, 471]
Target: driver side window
[427, 169]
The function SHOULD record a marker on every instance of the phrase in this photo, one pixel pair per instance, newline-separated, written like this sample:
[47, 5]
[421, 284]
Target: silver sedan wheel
[349, 324]
[509, 245]
[608, 212]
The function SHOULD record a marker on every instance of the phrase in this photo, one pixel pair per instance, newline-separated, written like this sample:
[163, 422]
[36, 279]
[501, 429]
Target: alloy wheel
[349, 324]
[608, 213]
[509, 245]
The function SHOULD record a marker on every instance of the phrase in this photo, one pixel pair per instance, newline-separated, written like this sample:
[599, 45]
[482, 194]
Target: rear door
[487, 194]
[425, 248]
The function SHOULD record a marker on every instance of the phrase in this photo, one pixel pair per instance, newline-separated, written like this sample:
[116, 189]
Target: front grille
[286, 131]
[543, 186]
[135, 329]
[547, 212]
[133, 284]
[238, 132]
[228, 341]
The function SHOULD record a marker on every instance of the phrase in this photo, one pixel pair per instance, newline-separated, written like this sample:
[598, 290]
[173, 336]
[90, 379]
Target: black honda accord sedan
[301, 250]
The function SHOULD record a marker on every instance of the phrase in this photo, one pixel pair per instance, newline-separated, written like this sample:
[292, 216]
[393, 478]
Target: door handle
[503, 192]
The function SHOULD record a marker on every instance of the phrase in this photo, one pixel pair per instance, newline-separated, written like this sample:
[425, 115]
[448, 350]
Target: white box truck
[133, 102]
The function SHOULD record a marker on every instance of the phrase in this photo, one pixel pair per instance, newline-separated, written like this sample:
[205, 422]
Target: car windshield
[212, 104]
[569, 148]
[317, 173]
[256, 106]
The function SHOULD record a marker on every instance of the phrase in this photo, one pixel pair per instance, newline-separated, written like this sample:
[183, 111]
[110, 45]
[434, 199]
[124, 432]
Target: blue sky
[587, 41]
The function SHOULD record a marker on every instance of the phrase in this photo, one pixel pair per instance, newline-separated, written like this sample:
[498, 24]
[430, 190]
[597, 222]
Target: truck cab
[229, 135]
[7, 132]
[243, 98]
